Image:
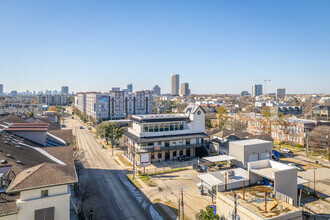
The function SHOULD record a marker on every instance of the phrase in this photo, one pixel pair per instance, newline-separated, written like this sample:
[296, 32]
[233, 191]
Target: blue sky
[216, 46]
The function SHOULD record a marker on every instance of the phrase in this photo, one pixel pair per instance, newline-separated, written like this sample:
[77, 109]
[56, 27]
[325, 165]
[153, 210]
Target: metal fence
[283, 197]
[167, 168]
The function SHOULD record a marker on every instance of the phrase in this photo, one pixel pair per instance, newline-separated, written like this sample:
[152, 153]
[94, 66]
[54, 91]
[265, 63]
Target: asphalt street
[114, 196]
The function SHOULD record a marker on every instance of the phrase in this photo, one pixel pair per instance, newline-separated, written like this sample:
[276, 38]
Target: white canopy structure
[220, 158]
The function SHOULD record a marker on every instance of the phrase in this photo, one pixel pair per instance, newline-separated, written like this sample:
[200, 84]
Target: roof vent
[28, 171]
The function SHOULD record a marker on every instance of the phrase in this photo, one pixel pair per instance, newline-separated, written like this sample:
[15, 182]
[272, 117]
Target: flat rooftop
[255, 202]
[251, 142]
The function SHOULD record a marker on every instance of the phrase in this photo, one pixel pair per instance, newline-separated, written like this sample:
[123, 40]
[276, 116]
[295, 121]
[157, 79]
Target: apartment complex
[53, 99]
[114, 105]
[184, 90]
[321, 112]
[256, 90]
[161, 137]
[280, 93]
[65, 90]
[175, 83]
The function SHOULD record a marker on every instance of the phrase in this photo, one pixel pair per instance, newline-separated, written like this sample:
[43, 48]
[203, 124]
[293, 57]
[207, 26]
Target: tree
[92, 120]
[31, 114]
[267, 121]
[235, 125]
[110, 131]
[208, 122]
[221, 116]
[208, 214]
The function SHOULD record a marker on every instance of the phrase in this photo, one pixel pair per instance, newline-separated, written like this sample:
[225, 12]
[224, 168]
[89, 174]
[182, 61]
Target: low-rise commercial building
[160, 137]
[321, 112]
[245, 151]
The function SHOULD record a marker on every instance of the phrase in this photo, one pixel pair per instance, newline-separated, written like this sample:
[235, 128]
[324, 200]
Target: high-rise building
[65, 90]
[280, 93]
[1, 89]
[156, 90]
[175, 82]
[130, 88]
[256, 90]
[184, 90]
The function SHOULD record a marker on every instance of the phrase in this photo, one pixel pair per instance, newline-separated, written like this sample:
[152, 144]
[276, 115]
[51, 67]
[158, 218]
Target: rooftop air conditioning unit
[231, 174]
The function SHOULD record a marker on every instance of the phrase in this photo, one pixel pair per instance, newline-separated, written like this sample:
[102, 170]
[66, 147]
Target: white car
[298, 167]
[285, 150]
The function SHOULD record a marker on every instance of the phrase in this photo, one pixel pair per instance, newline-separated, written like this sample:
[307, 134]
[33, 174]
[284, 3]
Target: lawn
[146, 179]
[136, 183]
[124, 160]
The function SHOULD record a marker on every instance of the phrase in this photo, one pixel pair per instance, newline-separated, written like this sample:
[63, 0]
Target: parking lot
[169, 186]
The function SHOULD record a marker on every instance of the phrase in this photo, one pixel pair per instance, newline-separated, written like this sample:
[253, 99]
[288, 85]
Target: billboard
[104, 103]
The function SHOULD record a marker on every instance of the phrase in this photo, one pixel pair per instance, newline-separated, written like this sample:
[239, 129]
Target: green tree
[110, 131]
[208, 214]
[221, 116]
[31, 114]
[208, 122]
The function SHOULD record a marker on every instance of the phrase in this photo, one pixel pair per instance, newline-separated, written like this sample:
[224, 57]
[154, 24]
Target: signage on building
[157, 148]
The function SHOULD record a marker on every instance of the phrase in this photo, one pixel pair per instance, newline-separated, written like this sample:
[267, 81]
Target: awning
[205, 185]
[219, 158]
[210, 179]
[301, 181]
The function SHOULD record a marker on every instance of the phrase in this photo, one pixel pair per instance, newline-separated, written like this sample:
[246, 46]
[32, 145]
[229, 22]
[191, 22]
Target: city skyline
[95, 46]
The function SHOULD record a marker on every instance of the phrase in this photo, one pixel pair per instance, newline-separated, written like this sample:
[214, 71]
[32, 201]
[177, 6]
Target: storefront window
[181, 152]
[176, 126]
[151, 128]
[155, 128]
[159, 155]
[181, 125]
[145, 128]
[166, 127]
[161, 127]
[174, 153]
[171, 127]
[152, 156]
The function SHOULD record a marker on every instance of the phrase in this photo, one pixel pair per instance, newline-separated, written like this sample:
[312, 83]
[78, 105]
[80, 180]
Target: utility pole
[179, 209]
[314, 179]
[328, 136]
[182, 204]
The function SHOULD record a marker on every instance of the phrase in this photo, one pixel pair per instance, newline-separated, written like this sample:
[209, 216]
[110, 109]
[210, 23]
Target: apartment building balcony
[153, 149]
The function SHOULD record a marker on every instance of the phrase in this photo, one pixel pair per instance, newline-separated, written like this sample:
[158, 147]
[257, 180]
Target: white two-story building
[161, 137]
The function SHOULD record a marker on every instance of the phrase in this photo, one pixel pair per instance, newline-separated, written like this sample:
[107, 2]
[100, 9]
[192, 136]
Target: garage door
[264, 156]
[253, 157]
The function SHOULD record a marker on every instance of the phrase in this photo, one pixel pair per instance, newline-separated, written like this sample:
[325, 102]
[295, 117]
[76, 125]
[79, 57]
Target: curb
[142, 193]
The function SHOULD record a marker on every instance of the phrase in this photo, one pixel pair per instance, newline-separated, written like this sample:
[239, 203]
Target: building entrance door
[167, 155]
[188, 152]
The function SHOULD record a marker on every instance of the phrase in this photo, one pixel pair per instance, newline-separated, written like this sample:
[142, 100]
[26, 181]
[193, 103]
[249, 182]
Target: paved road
[115, 197]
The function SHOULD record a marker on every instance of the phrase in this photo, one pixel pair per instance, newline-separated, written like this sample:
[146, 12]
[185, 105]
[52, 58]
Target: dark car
[198, 168]
[184, 158]
[81, 127]
[72, 117]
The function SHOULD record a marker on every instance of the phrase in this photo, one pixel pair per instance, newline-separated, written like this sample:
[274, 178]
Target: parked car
[72, 117]
[184, 158]
[274, 157]
[198, 168]
[297, 166]
[286, 150]
[81, 127]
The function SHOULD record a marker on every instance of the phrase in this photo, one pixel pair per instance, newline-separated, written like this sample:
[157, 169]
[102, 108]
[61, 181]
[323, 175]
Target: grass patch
[74, 146]
[159, 204]
[169, 171]
[116, 162]
[124, 160]
[146, 179]
[136, 183]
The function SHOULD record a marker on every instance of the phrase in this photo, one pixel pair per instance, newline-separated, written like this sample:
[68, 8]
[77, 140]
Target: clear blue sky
[216, 46]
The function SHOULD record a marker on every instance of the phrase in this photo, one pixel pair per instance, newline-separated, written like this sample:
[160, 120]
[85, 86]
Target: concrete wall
[286, 183]
[9, 217]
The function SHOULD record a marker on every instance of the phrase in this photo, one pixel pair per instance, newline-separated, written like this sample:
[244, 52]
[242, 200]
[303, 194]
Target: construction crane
[265, 82]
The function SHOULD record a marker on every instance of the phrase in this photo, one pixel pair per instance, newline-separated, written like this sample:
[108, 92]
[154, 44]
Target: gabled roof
[42, 175]
[193, 108]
